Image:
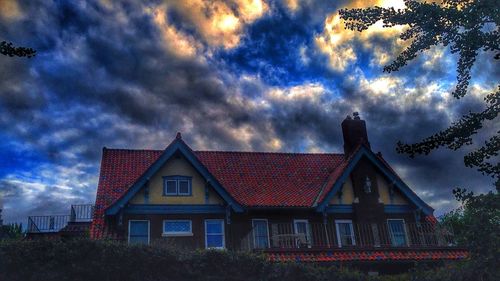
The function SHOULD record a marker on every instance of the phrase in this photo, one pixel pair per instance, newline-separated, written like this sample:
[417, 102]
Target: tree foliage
[476, 225]
[7, 49]
[11, 231]
[467, 27]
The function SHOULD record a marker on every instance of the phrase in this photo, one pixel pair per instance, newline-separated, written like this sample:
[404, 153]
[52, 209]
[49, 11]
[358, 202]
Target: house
[347, 207]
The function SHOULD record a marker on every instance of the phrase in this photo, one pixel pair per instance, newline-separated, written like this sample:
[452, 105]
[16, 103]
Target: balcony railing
[81, 213]
[47, 223]
[332, 236]
[54, 223]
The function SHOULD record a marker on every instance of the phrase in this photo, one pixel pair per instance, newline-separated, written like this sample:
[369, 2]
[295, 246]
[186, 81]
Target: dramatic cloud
[239, 75]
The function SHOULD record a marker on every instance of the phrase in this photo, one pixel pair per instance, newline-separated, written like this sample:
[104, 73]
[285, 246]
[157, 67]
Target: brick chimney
[354, 132]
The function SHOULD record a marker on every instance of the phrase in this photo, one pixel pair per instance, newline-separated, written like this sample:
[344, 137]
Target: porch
[345, 235]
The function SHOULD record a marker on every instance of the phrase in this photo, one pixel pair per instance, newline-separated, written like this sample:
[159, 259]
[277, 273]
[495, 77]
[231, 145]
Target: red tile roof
[271, 179]
[368, 255]
[253, 179]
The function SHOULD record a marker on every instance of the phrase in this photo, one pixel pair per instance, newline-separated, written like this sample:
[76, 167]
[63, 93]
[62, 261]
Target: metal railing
[54, 223]
[81, 213]
[47, 223]
[357, 235]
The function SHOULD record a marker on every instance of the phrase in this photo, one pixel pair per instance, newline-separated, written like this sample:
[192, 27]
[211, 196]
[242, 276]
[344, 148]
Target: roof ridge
[130, 149]
[268, 152]
[231, 151]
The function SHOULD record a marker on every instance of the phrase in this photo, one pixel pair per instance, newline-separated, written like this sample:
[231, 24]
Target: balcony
[319, 236]
[79, 214]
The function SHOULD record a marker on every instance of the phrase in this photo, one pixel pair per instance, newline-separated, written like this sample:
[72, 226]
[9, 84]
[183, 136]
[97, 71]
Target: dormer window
[177, 186]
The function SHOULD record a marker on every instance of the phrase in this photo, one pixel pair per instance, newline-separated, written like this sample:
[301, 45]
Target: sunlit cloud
[340, 44]
[220, 24]
[9, 10]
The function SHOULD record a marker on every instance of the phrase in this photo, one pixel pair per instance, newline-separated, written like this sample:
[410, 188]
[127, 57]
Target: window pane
[398, 234]
[214, 241]
[184, 187]
[345, 234]
[214, 233]
[139, 228]
[171, 187]
[260, 234]
[177, 226]
[139, 232]
[214, 227]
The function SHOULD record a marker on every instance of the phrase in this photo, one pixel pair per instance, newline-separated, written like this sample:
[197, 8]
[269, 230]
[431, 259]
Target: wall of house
[177, 166]
[347, 194]
[383, 190]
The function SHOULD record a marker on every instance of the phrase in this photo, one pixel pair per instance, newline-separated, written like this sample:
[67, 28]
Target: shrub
[105, 261]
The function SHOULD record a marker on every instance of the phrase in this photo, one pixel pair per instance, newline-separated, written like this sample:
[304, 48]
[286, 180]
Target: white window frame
[177, 180]
[149, 229]
[308, 232]
[223, 234]
[392, 236]
[267, 230]
[337, 230]
[170, 234]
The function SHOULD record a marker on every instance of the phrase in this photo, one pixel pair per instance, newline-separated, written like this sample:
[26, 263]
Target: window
[177, 228]
[260, 233]
[345, 233]
[138, 232]
[214, 234]
[301, 228]
[177, 186]
[398, 232]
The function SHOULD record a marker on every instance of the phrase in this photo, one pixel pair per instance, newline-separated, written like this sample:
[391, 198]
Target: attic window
[177, 186]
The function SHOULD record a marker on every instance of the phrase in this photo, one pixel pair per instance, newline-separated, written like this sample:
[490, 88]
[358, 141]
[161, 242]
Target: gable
[177, 165]
[362, 153]
[177, 147]
[388, 194]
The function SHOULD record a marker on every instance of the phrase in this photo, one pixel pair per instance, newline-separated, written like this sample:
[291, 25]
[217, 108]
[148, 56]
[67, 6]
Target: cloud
[129, 74]
[219, 23]
[341, 45]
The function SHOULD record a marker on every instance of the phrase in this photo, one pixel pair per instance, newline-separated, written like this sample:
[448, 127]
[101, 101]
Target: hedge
[45, 260]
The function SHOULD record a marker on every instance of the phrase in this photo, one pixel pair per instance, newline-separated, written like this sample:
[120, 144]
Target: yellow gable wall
[383, 189]
[347, 194]
[177, 166]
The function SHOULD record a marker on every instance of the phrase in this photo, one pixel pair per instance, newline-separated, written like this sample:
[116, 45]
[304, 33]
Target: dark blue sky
[239, 75]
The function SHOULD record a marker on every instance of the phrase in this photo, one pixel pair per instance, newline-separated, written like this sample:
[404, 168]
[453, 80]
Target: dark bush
[103, 260]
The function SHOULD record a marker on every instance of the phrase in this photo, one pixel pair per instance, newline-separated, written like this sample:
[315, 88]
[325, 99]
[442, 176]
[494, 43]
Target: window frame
[337, 231]
[177, 234]
[308, 230]
[223, 234]
[177, 179]
[267, 232]
[406, 244]
[149, 230]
